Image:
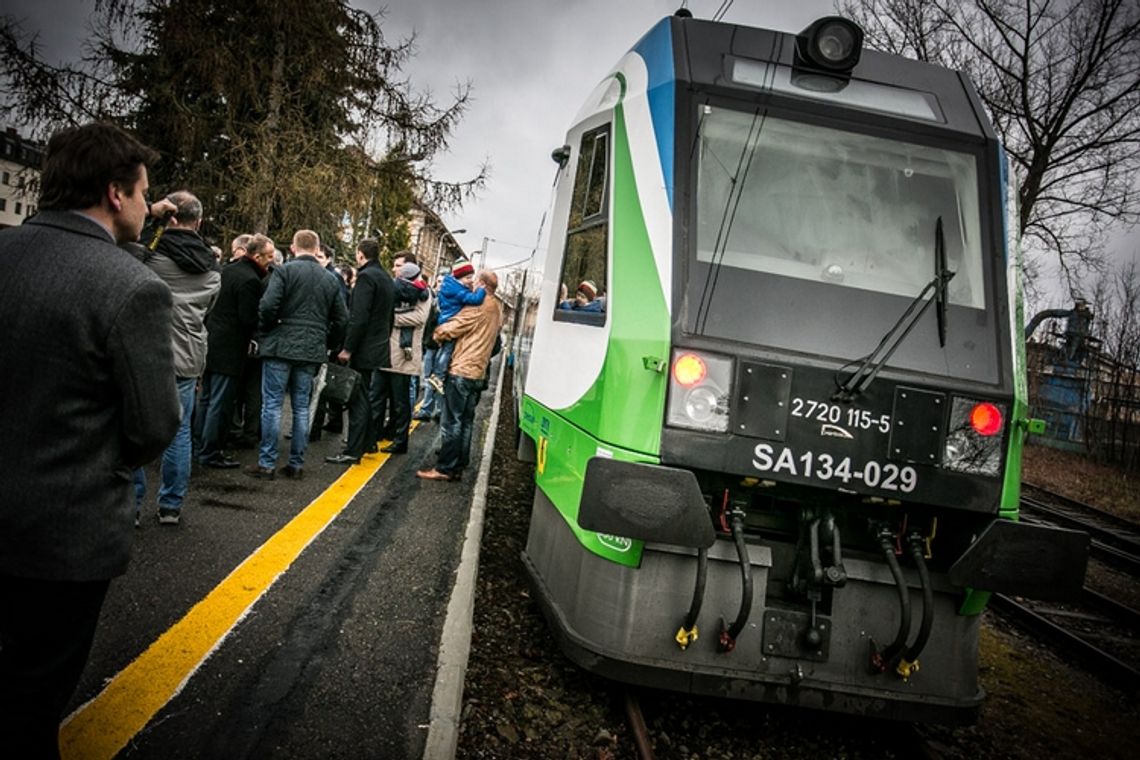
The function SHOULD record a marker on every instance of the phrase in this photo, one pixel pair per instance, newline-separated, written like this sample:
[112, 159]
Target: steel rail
[1101, 663]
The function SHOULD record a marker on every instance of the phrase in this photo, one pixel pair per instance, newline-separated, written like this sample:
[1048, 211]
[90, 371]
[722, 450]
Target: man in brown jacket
[474, 329]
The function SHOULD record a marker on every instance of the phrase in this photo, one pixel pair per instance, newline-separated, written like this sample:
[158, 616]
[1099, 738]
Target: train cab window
[790, 215]
[583, 296]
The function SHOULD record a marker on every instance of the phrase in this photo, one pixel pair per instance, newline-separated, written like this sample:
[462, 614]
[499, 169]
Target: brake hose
[881, 660]
[908, 665]
[728, 637]
[688, 632]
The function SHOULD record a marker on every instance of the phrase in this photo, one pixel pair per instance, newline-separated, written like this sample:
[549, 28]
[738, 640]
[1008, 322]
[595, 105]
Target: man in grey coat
[180, 256]
[301, 316]
[88, 383]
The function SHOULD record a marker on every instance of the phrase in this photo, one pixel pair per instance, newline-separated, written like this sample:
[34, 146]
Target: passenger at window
[585, 299]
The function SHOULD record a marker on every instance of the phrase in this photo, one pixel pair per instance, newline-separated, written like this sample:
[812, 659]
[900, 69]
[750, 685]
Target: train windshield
[791, 216]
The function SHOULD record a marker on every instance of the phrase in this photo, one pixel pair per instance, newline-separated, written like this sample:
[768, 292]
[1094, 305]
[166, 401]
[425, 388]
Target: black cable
[886, 542]
[915, 649]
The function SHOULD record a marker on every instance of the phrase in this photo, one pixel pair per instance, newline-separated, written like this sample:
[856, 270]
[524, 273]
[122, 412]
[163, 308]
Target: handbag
[340, 380]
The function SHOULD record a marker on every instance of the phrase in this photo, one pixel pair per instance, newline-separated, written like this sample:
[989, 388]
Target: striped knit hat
[461, 268]
[588, 289]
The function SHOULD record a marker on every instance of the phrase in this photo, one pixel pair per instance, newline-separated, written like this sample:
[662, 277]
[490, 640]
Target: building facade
[20, 162]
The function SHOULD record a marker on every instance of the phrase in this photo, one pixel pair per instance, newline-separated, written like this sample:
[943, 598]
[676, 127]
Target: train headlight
[832, 44]
[698, 391]
[974, 437]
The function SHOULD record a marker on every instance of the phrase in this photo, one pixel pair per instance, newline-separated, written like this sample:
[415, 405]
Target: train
[772, 380]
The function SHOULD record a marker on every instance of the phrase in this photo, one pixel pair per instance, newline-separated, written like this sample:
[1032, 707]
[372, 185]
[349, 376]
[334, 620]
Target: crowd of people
[151, 348]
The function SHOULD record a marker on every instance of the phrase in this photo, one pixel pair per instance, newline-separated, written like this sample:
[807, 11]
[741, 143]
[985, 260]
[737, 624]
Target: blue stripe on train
[656, 49]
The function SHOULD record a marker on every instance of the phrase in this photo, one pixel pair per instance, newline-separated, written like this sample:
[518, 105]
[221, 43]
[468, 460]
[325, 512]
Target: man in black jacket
[231, 323]
[366, 348]
[301, 316]
[89, 395]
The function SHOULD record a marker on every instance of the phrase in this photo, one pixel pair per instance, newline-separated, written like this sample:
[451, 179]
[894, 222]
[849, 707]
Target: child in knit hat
[454, 294]
[410, 289]
[585, 299]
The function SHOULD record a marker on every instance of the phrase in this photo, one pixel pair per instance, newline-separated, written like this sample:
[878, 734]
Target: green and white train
[777, 436]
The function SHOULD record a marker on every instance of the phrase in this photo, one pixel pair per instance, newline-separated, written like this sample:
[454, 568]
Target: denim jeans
[461, 396]
[140, 488]
[277, 377]
[176, 459]
[430, 405]
[216, 406]
[442, 360]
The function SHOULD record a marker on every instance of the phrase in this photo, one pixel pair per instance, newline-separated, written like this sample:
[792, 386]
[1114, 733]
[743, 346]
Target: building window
[3, 204]
[587, 235]
[19, 208]
[7, 177]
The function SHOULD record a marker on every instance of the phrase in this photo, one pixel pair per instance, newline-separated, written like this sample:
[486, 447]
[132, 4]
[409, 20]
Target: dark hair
[81, 161]
[370, 248]
[407, 256]
[258, 243]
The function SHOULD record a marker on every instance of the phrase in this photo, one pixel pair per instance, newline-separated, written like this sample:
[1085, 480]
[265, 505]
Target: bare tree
[1061, 82]
[278, 113]
[1113, 423]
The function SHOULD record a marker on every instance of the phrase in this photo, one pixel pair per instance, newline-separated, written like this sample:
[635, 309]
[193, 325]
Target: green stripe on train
[624, 408]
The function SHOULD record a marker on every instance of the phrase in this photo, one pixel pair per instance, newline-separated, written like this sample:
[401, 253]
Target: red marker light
[689, 369]
[985, 418]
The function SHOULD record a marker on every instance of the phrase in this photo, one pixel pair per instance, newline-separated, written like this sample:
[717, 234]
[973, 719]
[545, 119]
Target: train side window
[583, 296]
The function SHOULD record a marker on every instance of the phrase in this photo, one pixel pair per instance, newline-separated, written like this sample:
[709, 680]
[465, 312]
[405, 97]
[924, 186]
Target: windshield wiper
[869, 368]
[942, 280]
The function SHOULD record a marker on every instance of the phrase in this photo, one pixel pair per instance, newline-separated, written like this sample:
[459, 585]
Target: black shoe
[291, 472]
[221, 462]
[261, 473]
[372, 448]
[342, 459]
[314, 436]
[393, 448]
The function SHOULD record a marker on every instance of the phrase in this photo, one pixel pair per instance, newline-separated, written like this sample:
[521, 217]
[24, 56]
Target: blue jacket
[454, 295]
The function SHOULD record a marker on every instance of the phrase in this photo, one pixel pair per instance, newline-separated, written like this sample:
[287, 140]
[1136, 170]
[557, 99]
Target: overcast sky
[530, 63]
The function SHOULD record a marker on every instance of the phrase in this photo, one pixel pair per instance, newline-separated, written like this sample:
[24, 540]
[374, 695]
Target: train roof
[707, 54]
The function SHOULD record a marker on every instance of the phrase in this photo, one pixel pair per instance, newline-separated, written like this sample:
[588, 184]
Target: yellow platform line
[100, 728]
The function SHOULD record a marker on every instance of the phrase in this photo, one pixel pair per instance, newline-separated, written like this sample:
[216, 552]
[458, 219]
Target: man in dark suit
[366, 347]
[89, 393]
[231, 324]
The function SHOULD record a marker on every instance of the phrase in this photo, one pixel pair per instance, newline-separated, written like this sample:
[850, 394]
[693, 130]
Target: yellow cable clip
[907, 669]
[686, 636]
[930, 539]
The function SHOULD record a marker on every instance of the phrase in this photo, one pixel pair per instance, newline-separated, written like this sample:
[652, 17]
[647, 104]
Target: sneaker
[261, 473]
[435, 383]
[168, 516]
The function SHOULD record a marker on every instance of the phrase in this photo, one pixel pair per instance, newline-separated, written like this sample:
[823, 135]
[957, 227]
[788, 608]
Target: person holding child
[454, 293]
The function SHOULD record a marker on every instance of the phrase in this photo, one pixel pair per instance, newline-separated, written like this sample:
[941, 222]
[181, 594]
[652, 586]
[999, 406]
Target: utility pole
[484, 263]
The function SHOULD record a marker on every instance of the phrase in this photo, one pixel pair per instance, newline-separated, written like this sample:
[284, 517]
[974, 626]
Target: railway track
[1115, 541]
[1098, 632]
